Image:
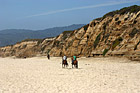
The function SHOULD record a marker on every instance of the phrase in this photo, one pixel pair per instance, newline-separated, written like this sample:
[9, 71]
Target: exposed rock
[115, 34]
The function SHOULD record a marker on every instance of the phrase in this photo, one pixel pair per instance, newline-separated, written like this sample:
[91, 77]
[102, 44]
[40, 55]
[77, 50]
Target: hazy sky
[42, 14]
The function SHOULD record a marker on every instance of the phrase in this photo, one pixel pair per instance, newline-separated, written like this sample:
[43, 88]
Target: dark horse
[75, 63]
[64, 63]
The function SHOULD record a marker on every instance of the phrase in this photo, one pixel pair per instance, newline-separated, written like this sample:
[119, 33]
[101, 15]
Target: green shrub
[86, 27]
[110, 14]
[31, 40]
[99, 19]
[116, 42]
[105, 36]
[105, 51]
[133, 32]
[64, 37]
[48, 51]
[26, 40]
[97, 40]
[43, 48]
[71, 33]
[131, 9]
[57, 43]
[67, 32]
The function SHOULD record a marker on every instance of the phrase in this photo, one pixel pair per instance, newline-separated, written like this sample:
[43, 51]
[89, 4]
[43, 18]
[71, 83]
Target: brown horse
[75, 63]
[64, 63]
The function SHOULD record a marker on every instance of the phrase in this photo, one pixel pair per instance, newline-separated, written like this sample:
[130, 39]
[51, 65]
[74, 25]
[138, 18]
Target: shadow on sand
[72, 68]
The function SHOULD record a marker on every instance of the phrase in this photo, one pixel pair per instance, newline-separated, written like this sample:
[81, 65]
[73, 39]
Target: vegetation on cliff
[105, 51]
[66, 33]
[27, 40]
[116, 42]
[97, 40]
[133, 32]
[131, 9]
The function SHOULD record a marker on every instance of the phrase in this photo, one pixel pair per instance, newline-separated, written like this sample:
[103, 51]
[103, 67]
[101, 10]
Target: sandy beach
[94, 75]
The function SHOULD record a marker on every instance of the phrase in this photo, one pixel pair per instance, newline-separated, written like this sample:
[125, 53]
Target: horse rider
[64, 57]
[73, 59]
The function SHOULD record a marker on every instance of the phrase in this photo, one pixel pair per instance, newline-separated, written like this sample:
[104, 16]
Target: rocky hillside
[115, 34]
[26, 48]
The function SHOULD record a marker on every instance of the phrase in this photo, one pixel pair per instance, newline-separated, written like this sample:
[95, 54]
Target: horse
[64, 63]
[75, 63]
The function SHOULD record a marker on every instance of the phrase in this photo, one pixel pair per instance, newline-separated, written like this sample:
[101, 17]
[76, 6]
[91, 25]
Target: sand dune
[95, 75]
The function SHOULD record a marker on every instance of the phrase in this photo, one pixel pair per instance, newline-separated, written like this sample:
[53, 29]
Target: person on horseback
[73, 59]
[65, 58]
[74, 62]
[64, 61]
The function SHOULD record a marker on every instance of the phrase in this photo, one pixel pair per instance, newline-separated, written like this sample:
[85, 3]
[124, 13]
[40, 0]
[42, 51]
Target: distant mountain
[11, 36]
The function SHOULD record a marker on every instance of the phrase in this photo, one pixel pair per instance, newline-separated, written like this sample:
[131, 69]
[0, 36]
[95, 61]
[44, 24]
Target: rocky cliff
[115, 34]
[27, 48]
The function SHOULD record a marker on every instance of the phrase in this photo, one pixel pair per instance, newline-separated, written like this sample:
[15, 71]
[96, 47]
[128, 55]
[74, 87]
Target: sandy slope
[95, 75]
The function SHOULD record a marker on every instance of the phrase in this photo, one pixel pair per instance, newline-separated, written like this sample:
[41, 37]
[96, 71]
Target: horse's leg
[67, 64]
[76, 65]
[63, 65]
[72, 65]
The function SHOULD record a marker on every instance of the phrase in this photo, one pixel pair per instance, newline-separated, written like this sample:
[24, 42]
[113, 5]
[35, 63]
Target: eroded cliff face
[27, 48]
[118, 35]
[113, 35]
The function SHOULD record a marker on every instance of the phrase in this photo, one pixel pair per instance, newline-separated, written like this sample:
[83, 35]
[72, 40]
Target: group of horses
[74, 64]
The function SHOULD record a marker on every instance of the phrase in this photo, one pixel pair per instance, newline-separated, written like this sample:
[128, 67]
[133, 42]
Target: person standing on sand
[48, 56]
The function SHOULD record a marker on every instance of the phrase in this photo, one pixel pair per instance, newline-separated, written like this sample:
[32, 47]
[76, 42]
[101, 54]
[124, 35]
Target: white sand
[95, 75]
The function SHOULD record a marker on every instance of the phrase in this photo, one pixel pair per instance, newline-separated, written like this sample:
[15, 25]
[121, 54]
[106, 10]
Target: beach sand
[94, 75]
